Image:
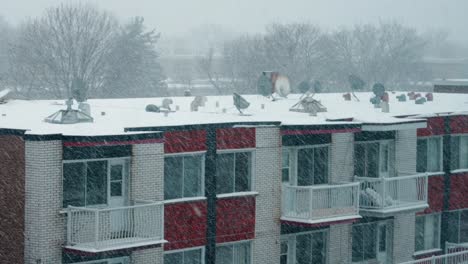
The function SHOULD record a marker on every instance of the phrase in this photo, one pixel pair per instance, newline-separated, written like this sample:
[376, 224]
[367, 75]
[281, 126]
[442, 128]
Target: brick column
[339, 247]
[403, 237]
[341, 157]
[267, 182]
[44, 226]
[147, 183]
[405, 151]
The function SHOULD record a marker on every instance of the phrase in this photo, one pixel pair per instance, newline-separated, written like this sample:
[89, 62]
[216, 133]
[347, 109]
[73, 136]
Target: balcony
[320, 203]
[382, 196]
[460, 257]
[103, 229]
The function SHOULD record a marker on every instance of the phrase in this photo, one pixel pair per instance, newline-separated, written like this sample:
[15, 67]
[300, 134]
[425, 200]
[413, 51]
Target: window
[459, 148]
[373, 159]
[427, 232]
[235, 253]
[183, 176]
[85, 183]
[191, 256]
[121, 260]
[285, 166]
[304, 248]
[312, 166]
[234, 172]
[458, 226]
[429, 154]
[371, 241]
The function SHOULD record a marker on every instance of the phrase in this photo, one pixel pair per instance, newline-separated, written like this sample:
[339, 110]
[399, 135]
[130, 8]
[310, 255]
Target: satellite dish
[281, 86]
[3, 95]
[240, 103]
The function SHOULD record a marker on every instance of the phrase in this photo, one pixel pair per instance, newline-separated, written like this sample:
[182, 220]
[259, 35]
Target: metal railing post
[96, 228]
[69, 227]
[384, 198]
[311, 199]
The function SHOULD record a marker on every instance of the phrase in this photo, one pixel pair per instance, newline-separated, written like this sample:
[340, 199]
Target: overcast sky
[173, 17]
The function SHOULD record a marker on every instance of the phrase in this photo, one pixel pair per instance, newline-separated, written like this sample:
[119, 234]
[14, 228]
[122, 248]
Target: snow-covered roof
[457, 82]
[112, 116]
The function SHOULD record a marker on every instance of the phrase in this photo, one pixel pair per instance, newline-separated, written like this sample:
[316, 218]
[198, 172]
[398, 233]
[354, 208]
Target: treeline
[388, 53]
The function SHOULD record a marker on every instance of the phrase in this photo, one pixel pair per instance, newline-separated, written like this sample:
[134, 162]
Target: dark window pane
[455, 151]
[224, 255]
[453, 227]
[285, 175]
[192, 176]
[284, 259]
[369, 238]
[173, 177]
[433, 152]
[303, 249]
[305, 168]
[242, 172]
[116, 188]
[174, 258]
[464, 152]
[116, 172]
[419, 236]
[372, 160]
[318, 248]
[74, 175]
[192, 257]
[321, 165]
[359, 160]
[225, 173]
[357, 244]
[96, 183]
[464, 226]
[242, 253]
[421, 161]
[382, 238]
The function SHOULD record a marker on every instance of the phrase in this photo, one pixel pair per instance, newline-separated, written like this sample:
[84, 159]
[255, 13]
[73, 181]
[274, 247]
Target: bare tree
[207, 68]
[65, 49]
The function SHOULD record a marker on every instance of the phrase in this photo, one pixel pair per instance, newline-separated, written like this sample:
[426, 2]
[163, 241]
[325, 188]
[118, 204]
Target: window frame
[127, 160]
[291, 240]
[175, 251]
[391, 158]
[438, 230]
[202, 174]
[441, 154]
[234, 243]
[250, 151]
[125, 260]
[294, 167]
[459, 150]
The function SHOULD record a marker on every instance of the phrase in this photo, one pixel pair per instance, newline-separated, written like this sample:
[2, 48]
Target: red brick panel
[184, 141]
[11, 199]
[458, 191]
[459, 124]
[235, 138]
[235, 219]
[185, 225]
[435, 126]
[435, 194]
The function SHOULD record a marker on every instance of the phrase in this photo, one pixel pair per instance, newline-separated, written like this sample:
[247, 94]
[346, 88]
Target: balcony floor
[321, 220]
[384, 212]
[115, 244]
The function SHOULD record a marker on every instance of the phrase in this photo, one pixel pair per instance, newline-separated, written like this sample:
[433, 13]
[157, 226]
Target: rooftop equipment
[69, 116]
[3, 95]
[240, 103]
[270, 83]
[308, 105]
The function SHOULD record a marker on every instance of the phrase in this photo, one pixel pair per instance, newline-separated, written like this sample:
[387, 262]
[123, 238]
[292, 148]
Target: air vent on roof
[308, 105]
[69, 116]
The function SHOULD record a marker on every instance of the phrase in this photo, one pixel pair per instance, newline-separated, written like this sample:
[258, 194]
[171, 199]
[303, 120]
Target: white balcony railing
[393, 193]
[451, 258]
[97, 230]
[320, 203]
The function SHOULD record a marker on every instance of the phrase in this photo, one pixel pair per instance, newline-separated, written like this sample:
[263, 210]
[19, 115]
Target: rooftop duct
[69, 116]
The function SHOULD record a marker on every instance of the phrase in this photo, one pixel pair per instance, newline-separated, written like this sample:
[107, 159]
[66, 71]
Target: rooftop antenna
[240, 103]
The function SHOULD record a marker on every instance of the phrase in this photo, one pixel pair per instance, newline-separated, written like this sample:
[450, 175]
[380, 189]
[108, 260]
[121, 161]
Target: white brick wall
[339, 246]
[267, 182]
[403, 237]
[341, 157]
[147, 183]
[405, 151]
[148, 256]
[44, 226]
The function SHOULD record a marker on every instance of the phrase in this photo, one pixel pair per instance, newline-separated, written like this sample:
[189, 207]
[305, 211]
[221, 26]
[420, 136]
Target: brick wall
[342, 163]
[147, 183]
[11, 199]
[403, 237]
[44, 226]
[266, 246]
[339, 247]
[405, 152]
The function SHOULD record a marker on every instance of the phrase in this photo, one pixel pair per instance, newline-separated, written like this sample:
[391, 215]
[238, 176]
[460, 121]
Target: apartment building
[349, 184]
